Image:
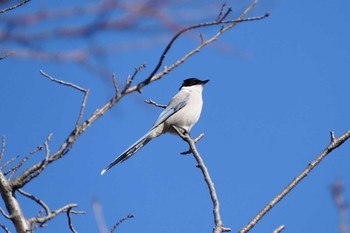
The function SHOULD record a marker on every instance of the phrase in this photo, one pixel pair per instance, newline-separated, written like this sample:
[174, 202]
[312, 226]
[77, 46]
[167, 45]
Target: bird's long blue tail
[129, 152]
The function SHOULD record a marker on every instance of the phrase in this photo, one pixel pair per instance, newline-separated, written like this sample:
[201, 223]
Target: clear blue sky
[277, 88]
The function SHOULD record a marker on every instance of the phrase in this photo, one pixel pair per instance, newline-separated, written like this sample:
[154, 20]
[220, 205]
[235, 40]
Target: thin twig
[115, 84]
[7, 163]
[5, 228]
[20, 163]
[155, 103]
[335, 143]
[14, 7]
[120, 221]
[34, 170]
[70, 224]
[4, 214]
[82, 108]
[219, 226]
[37, 200]
[63, 82]
[3, 145]
[7, 55]
[221, 13]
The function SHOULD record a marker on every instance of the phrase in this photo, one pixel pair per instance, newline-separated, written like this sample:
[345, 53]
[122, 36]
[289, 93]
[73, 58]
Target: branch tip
[332, 136]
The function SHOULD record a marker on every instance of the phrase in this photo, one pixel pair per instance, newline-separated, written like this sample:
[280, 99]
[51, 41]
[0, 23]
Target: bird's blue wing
[169, 111]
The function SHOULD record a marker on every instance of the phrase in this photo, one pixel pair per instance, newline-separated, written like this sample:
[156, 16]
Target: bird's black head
[192, 82]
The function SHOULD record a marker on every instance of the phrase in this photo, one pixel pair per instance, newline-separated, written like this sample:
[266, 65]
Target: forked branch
[335, 143]
[219, 226]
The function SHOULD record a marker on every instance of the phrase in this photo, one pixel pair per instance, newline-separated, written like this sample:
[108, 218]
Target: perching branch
[219, 226]
[335, 143]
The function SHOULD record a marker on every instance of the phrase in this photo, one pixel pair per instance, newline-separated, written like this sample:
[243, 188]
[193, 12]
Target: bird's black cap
[192, 82]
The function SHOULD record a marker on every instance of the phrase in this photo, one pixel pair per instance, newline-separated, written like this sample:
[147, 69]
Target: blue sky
[277, 88]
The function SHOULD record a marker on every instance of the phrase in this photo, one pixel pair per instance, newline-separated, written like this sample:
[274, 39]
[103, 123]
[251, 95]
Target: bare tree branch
[3, 146]
[14, 169]
[37, 200]
[219, 226]
[7, 163]
[5, 228]
[120, 221]
[335, 143]
[63, 82]
[7, 55]
[12, 205]
[4, 214]
[116, 88]
[131, 78]
[14, 7]
[70, 224]
[53, 214]
[155, 104]
[35, 170]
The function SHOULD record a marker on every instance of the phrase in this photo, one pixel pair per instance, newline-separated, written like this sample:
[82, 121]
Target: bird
[183, 112]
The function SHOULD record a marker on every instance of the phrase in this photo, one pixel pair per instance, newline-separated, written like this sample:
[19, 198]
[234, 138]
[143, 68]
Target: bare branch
[131, 78]
[5, 228]
[4, 214]
[7, 55]
[221, 13]
[53, 214]
[7, 163]
[120, 221]
[15, 6]
[37, 200]
[13, 207]
[14, 169]
[335, 143]
[219, 226]
[70, 224]
[82, 108]
[35, 170]
[115, 84]
[62, 82]
[155, 104]
[3, 145]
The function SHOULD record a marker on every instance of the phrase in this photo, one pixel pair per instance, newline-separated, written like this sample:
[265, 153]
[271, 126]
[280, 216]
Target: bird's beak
[205, 81]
